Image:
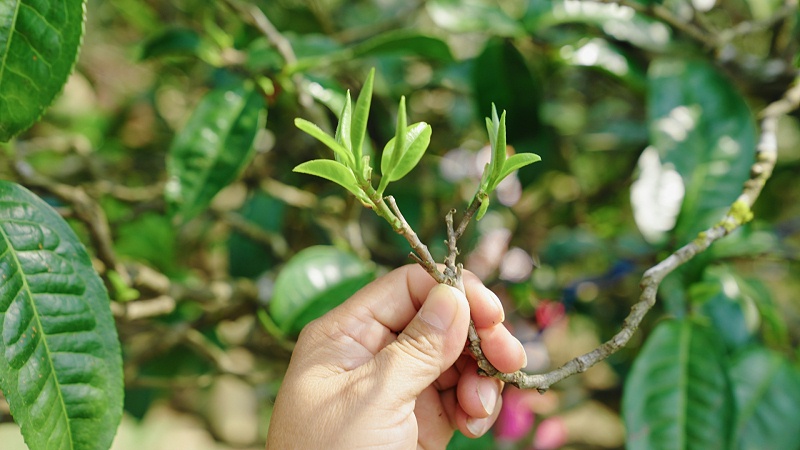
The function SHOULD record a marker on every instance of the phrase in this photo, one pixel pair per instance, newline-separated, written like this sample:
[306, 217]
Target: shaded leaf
[333, 171]
[313, 282]
[677, 395]
[39, 44]
[510, 84]
[404, 42]
[767, 389]
[173, 41]
[339, 151]
[213, 148]
[721, 296]
[60, 360]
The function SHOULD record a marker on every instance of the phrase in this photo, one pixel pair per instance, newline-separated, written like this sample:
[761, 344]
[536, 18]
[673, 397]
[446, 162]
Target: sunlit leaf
[213, 148]
[39, 44]
[343, 128]
[315, 132]
[677, 395]
[333, 171]
[461, 16]
[313, 282]
[360, 117]
[767, 389]
[417, 137]
[60, 360]
[518, 161]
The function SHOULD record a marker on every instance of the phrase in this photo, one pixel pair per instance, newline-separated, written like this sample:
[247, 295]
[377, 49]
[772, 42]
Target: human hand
[386, 368]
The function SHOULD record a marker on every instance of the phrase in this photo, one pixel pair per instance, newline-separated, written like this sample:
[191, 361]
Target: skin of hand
[387, 368]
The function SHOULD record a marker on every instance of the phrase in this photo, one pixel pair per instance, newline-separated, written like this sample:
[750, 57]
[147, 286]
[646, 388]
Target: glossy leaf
[314, 131]
[213, 148]
[767, 389]
[358, 130]
[416, 140]
[463, 16]
[700, 126]
[333, 171]
[721, 296]
[39, 44]
[677, 395]
[313, 282]
[60, 361]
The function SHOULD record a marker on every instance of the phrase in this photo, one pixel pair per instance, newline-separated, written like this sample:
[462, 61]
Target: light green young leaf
[359, 127]
[60, 358]
[482, 210]
[345, 122]
[333, 171]
[499, 154]
[416, 140]
[315, 132]
[391, 156]
[516, 162]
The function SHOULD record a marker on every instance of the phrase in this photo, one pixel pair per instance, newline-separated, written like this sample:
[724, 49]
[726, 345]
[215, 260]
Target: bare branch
[421, 253]
[738, 214]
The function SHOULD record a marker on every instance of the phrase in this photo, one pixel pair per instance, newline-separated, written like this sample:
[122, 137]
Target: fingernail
[524, 355]
[488, 390]
[497, 303]
[477, 426]
[440, 308]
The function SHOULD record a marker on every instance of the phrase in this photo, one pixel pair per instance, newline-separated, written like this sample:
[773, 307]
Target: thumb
[428, 346]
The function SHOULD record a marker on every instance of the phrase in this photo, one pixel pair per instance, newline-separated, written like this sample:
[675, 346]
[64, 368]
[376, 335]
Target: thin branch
[421, 253]
[738, 214]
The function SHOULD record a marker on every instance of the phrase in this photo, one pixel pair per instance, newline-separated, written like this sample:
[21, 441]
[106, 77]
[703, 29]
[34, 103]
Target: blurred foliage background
[207, 307]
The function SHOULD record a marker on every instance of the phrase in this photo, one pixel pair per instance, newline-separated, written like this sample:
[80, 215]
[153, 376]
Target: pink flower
[516, 417]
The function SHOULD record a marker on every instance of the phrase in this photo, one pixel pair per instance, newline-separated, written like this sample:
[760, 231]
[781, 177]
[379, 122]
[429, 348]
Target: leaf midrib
[26, 288]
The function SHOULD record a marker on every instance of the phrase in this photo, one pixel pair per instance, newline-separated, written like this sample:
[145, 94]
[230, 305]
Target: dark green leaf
[314, 131]
[722, 298]
[677, 395]
[173, 41]
[333, 171]
[39, 44]
[213, 148]
[360, 117]
[417, 137]
[767, 389]
[501, 76]
[700, 126]
[60, 361]
[313, 282]
[404, 42]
